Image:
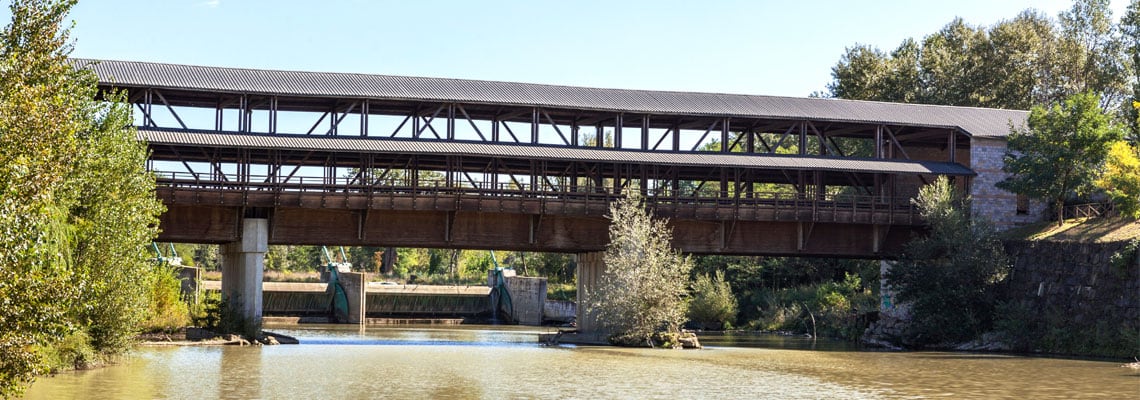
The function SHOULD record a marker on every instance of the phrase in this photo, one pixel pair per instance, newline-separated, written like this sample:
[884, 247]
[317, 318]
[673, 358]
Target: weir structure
[248, 158]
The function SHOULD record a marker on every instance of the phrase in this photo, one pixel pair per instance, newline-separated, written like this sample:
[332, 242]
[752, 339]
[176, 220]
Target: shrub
[166, 311]
[713, 306]
[957, 267]
[643, 288]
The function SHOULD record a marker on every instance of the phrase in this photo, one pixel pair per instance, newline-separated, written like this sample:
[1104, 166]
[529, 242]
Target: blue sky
[754, 47]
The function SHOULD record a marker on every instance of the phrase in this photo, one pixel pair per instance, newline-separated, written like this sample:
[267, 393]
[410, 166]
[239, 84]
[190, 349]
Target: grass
[562, 291]
[1094, 230]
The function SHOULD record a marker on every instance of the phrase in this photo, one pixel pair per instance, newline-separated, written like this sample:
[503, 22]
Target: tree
[949, 276]
[1121, 179]
[642, 291]
[76, 205]
[1060, 152]
[1013, 64]
[1130, 42]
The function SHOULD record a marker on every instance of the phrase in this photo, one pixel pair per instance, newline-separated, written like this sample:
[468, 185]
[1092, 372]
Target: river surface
[492, 362]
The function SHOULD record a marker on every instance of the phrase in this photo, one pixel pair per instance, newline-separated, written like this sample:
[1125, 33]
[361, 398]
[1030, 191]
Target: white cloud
[210, 3]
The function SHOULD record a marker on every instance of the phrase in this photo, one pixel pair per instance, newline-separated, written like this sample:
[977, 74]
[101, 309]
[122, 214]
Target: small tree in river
[642, 292]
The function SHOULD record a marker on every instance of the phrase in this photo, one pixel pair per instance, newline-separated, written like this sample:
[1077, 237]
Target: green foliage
[73, 351]
[1013, 64]
[831, 308]
[221, 316]
[1054, 331]
[166, 310]
[644, 285]
[753, 280]
[1121, 178]
[1060, 152]
[76, 204]
[1126, 257]
[562, 291]
[713, 306]
[957, 266]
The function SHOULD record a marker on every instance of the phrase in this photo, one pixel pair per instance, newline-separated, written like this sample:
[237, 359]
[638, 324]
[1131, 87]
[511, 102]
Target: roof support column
[618, 122]
[574, 129]
[645, 132]
[676, 136]
[364, 118]
[246, 116]
[803, 138]
[451, 121]
[878, 141]
[273, 114]
[952, 145]
[534, 122]
[724, 127]
[495, 128]
[599, 138]
[218, 114]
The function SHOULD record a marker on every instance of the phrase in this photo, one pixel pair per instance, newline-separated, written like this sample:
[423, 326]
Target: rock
[271, 341]
[880, 344]
[988, 342]
[281, 339]
[689, 341]
[232, 338]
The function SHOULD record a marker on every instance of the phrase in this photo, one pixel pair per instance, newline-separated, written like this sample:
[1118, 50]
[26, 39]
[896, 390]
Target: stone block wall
[997, 205]
[1076, 280]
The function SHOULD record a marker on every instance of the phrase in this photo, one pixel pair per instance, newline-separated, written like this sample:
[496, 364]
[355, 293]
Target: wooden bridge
[351, 159]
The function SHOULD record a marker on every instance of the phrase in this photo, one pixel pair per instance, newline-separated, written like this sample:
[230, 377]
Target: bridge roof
[180, 138]
[981, 122]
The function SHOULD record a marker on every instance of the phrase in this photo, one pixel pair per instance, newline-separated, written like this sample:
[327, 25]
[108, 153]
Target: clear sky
[784, 47]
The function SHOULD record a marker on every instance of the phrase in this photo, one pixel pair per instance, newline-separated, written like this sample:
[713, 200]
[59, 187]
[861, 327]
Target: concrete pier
[243, 264]
[590, 268]
[355, 285]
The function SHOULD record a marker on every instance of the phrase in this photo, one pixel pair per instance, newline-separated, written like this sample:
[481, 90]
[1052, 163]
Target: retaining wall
[1076, 280]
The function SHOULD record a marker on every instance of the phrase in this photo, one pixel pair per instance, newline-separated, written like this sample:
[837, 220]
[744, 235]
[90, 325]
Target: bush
[832, 309]
[643, 288]
[166, 311]
[956, 267]
[713, 305]
[73, 351]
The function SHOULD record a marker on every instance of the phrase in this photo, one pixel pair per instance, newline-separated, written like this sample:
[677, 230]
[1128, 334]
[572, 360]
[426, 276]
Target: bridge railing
[663, 196]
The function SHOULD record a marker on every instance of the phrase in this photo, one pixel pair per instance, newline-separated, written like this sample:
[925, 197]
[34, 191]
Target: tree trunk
[1060, 204]
[388, 261]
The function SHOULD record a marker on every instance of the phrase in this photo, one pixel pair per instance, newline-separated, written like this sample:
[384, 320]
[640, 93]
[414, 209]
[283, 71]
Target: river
[492, 362]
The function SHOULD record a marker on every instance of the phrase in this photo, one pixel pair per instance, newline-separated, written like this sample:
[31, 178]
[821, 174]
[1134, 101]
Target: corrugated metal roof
[974, 121]
[518, 151]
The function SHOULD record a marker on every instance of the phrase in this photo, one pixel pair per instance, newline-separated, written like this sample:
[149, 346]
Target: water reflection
[506, 362]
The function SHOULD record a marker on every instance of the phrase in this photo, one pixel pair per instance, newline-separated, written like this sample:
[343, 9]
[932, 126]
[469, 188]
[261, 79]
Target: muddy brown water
[493, 362]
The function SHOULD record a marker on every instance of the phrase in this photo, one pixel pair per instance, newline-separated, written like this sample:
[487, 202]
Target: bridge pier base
[356, 287]
[590, 269]
[243, 264]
